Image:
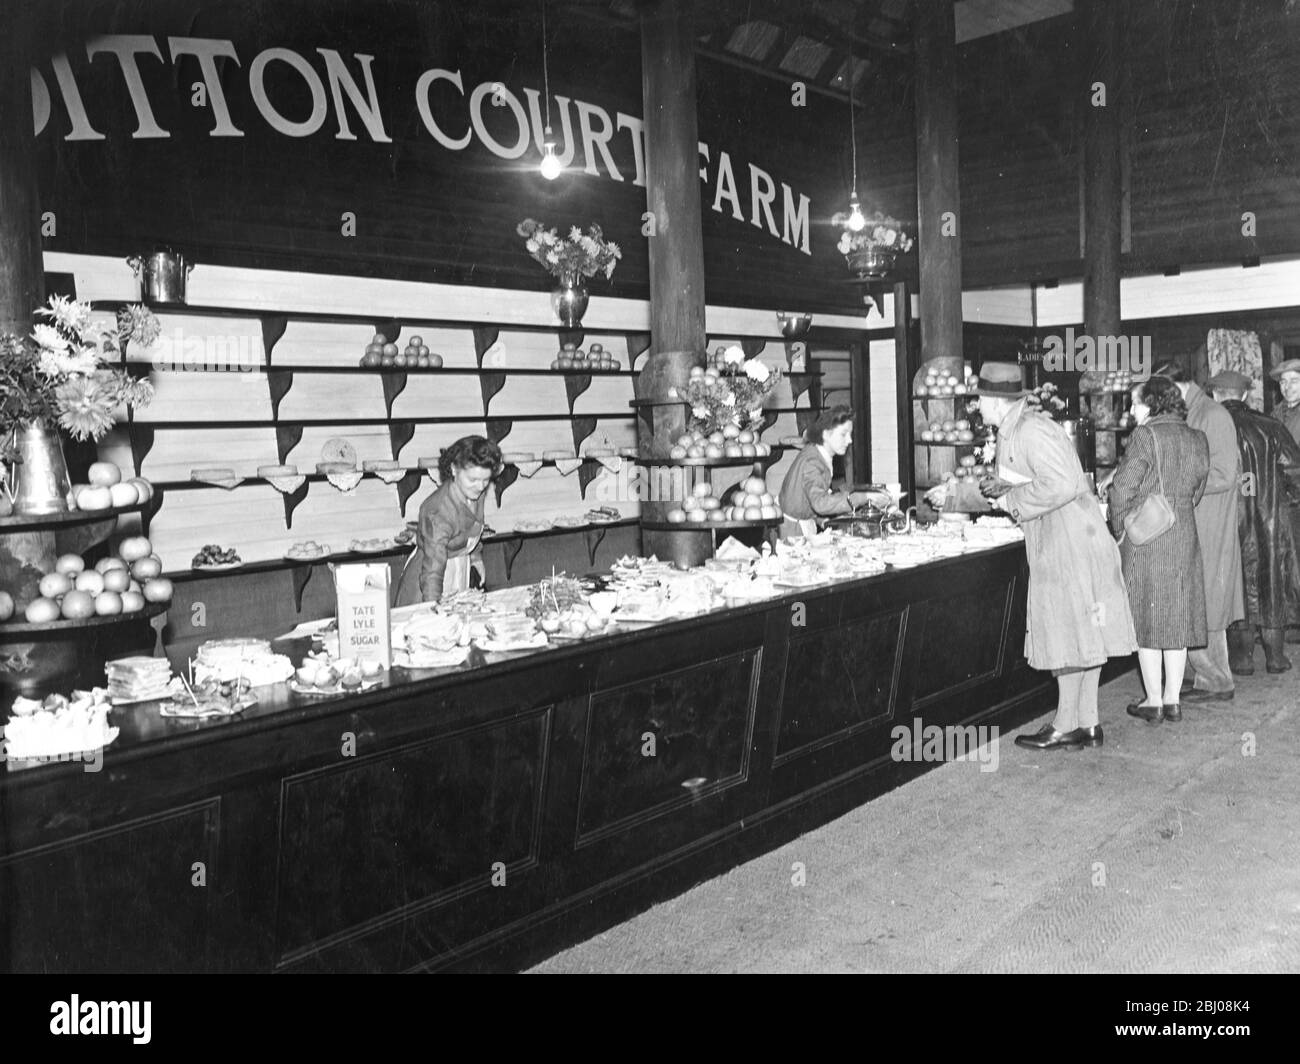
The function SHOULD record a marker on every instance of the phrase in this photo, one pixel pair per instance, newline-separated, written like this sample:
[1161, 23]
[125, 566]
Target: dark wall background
[1210, 111]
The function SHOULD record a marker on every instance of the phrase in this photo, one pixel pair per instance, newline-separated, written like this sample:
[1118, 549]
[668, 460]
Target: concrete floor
[1173, 848]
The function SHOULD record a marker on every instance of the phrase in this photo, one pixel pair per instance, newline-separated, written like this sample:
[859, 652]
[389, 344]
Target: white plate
[570, 522]
[493, 647]
[430, 659]
[306, 557]
[216, 568]
[337, 689]
[533, 526]
[386, 545]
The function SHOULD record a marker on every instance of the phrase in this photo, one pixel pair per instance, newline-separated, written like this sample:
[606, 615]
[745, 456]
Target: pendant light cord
[853, 136]
[546, 76]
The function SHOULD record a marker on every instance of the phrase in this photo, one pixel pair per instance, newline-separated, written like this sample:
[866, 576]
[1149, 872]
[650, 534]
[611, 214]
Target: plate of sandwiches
[511, 631]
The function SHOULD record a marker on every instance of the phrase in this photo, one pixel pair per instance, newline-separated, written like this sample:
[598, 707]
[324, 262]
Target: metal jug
[38, 478]
[162, 276]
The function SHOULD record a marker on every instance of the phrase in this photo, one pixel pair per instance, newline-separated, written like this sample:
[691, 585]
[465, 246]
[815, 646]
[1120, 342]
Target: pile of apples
[751, 502]
[730, 441]
[118, 585]
[107, 489]
[946, 384]
[950, 431]
[968, 467]
[572, 357]
[382, 352]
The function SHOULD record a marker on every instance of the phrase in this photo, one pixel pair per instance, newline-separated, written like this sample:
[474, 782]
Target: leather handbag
[1155, 516]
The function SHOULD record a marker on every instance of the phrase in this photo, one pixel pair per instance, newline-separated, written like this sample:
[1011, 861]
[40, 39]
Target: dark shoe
[1274, 658]
[1090, 736]
[1196, 696]
[1048, 738]
[1241, 651]
[1173, 713]
[1150, 714]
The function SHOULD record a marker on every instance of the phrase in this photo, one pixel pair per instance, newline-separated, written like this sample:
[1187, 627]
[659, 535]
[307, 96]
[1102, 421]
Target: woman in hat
[451, 523]
[1077, 613]
[1165, 456]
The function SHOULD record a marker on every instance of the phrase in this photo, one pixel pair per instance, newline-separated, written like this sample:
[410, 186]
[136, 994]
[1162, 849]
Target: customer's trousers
[1210, 664]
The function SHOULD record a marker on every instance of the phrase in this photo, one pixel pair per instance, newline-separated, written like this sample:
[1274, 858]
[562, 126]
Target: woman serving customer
[451, 524]
[806, 490]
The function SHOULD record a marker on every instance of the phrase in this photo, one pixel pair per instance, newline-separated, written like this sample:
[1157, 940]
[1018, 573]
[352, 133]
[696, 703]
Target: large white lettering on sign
[344, 100]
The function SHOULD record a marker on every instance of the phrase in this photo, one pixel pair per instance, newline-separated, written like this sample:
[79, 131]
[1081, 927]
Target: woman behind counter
[806, 490]
[451, 523]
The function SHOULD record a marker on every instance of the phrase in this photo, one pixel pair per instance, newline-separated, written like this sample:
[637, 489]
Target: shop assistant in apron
[450, 524]
[806, 490]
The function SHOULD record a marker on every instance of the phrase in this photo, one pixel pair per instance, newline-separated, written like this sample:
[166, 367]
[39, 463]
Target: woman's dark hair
[1161, 395]
[469, 451]
[1173, 369]
[828, 422]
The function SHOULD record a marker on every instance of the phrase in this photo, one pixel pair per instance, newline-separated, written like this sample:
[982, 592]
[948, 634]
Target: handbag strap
[1160, 476]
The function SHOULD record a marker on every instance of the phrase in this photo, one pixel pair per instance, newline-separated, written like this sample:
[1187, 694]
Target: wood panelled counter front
[482, 818]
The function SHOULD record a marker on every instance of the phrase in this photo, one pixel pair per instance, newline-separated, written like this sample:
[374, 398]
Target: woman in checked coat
[1165, 590]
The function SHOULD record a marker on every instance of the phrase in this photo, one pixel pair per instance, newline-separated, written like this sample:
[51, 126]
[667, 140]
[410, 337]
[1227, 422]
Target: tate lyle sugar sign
[505, 119]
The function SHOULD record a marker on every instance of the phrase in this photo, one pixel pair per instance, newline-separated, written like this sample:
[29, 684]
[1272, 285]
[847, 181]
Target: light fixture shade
[856, 221]
[550, 168]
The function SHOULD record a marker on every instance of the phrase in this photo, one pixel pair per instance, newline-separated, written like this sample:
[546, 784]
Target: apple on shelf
[116, 585]
[730, 441]
[108, 489]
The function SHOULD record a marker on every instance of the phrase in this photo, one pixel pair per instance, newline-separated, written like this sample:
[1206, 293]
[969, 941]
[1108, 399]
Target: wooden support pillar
[672, 195]
[938, 195]
[22, 274]
[1102, 201]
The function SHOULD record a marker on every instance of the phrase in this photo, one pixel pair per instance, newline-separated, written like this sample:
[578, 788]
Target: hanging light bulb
[551, 167]
[856, 221]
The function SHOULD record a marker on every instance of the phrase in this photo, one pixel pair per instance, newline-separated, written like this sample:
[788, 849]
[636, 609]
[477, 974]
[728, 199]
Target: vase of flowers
[570, 260]
[872, 251]
[731, 395]
[56, 380]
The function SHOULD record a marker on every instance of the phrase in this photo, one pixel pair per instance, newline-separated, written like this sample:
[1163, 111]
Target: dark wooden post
[676, 237]
[22, 274]
[938, 195]
[1102, 28]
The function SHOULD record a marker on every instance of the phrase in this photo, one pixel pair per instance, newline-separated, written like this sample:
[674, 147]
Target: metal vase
[569, 300]
[39, 476]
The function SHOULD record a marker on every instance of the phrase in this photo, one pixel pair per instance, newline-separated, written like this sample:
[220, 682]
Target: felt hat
[1229, 381]
[1291, 365]
[1001, 379]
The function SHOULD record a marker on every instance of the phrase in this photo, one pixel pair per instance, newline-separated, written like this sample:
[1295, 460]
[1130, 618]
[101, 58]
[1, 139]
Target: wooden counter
[484, 817]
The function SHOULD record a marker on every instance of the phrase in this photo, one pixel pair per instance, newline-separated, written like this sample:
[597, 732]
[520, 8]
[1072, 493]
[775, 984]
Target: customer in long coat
[1166, 457]
[1270, 565]
[1216, 527]
[1077, 611]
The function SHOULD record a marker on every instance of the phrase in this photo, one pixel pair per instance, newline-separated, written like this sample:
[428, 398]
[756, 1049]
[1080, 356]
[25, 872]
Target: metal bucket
[39, 475]
[162, 276]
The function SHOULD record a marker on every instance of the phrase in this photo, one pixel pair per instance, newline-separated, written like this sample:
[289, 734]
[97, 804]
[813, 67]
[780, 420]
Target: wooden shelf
[367, 421]
[707, 526]
[34, 522]
[263, 369]
[714, 463]
[11, 628]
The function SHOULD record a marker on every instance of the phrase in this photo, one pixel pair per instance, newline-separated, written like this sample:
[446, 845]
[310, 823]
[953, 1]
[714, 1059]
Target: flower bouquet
[56, 377]
[873, 250]
[734, 394]
[1044, 398]
[568, 258]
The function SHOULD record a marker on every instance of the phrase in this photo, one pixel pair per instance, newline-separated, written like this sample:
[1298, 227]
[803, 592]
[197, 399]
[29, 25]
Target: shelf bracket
[273, 328]
[292, 500]
[803, 418]
[509, 474]
[484, 338]
[574, 385]
[280, 381]
[499, 428]
[302, 575]
[142, 438]
[390, 328]
[490, 384]
[400, 433]
[582, 428]
[593, 544]
[572, 336]
[587, 472]
[752, 346]
[637, 345]
[510, 549]
[287, 437]
[394, 385]
[408, 486]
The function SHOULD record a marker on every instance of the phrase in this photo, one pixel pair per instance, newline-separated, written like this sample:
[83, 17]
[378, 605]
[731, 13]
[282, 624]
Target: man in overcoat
[1216, 528]
[1270, 459]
